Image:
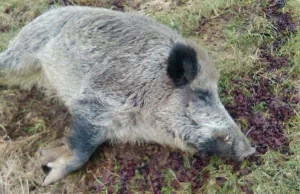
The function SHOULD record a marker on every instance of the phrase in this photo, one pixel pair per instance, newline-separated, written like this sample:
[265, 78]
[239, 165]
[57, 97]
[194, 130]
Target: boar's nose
[247, 153]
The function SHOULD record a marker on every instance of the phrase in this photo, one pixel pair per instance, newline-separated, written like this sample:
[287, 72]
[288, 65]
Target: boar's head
[191, 69]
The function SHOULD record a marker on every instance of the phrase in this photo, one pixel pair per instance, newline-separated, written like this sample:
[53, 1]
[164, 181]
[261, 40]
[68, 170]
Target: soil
[266, 131]
[146, 167]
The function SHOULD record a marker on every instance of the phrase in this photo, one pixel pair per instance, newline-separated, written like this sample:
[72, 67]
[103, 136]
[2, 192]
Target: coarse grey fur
[109, 68]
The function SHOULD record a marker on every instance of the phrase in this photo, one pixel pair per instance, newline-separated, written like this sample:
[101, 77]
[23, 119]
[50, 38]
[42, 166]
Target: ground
[255, 45]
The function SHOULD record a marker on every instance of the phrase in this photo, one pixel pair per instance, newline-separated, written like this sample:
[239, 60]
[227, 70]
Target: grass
[188, 17]
[232, 31]
[14, 14]
[38, 126]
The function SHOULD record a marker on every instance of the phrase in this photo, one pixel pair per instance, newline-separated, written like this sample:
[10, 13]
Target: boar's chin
[244, 155]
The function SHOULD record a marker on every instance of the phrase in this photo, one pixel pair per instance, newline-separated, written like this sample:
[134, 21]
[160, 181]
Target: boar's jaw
[242, 147]
[244, 155]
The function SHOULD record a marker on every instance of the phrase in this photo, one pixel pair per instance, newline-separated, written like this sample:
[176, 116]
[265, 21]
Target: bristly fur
[119, 75]
[182, 64]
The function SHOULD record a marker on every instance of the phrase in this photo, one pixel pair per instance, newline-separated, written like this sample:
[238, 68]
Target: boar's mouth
[246, 154]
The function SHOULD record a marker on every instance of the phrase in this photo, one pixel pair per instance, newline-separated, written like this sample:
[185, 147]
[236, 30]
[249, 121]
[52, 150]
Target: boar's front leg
[85, 137]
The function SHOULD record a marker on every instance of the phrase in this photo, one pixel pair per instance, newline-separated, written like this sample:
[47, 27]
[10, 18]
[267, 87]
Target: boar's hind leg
[20, 67]
[82, 142]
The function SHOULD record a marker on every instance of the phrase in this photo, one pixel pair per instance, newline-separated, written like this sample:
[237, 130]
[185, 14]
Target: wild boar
[124, 78]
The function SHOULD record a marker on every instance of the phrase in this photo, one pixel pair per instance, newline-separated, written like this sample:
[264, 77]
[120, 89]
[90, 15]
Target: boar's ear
[221, 135]
[182, 64]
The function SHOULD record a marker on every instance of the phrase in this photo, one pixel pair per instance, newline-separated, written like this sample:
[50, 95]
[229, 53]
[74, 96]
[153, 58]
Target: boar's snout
[230, 143]
[244, 155]
[242, 147]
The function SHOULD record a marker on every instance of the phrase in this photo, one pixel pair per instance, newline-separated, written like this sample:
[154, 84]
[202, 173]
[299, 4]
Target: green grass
[260, 106]
[278, 174]
[169, 176]
[39, 126]
[187, 18]
[16, 13]
[6, 37]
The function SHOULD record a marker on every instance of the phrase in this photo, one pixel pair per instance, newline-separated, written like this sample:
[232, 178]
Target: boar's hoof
[59, 160]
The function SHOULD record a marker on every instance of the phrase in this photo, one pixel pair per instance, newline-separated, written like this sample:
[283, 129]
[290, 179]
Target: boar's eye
[204, 95]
